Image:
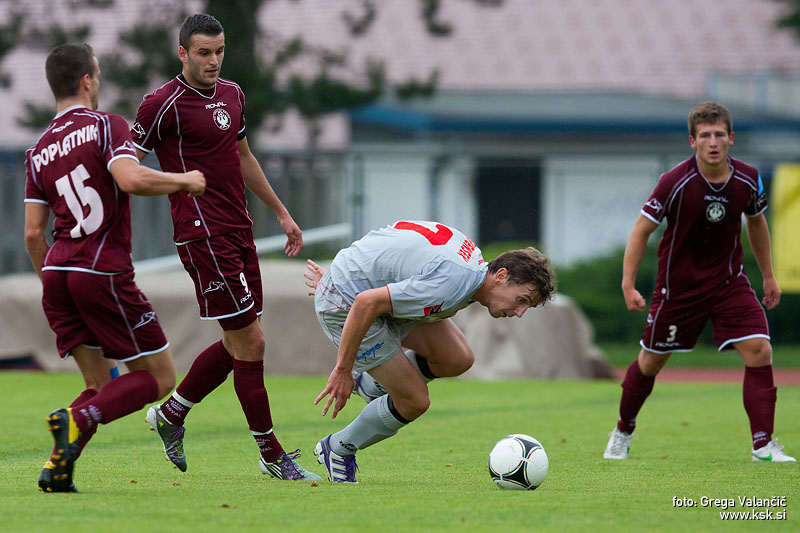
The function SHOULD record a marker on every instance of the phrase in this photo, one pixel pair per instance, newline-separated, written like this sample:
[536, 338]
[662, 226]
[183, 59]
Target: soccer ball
[518, 462]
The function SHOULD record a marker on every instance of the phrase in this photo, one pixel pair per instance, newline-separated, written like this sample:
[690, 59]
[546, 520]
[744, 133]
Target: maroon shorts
[227, 278]
[734, 310]
[105, 311]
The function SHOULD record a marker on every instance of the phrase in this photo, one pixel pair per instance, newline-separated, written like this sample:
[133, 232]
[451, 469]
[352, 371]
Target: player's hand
[312, 274]
[634, 300]
[294, 241]
[340, 386]
[195, 183]
[772, 293]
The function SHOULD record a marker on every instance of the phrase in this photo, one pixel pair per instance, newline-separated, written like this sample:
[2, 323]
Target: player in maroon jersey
[83, 168]
[197, 120]
[701, 277]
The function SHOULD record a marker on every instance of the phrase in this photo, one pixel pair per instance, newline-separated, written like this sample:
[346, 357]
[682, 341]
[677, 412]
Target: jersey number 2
[436, 238]
[85, 196]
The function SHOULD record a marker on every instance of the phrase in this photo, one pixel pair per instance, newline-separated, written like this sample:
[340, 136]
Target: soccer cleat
[46, 480]
[618, 445]
[359, 389]
[287, 467]
[341, 468]
[772, 452]
[170, 434]
[66, 436]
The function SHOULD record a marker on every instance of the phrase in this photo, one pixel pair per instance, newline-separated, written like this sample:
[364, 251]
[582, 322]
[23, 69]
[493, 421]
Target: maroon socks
[209, 370]
[121, 396]
[248, 380]
[636, 387]
[82, 397]
[759, 395]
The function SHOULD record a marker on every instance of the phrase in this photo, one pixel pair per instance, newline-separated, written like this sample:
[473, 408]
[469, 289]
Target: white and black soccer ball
[518, 462]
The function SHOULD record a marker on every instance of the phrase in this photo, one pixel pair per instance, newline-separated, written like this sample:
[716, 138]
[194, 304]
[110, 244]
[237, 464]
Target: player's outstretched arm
[256, 181]
[138, 179]
[366, 308]
[312, 274]
[634, 253]
[36, 217]
[758, 235]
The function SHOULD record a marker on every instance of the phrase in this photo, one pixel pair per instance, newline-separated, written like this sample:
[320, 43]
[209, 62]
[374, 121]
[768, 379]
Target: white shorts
[383, 339]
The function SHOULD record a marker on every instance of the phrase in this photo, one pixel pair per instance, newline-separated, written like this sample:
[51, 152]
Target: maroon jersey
[701, 247]
[67, 169]
[194, 129]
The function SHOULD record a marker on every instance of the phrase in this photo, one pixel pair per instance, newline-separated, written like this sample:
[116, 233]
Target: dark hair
[202, 24]
[527, 265]
[65, 67]
[709, 113]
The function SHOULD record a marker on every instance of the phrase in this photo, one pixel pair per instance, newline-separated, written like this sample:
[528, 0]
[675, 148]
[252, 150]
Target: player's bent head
[202, 24]
[709, 113]
[528, 265]
[66, 65]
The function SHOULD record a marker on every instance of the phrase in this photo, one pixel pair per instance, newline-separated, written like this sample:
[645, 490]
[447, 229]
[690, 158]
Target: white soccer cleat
[772, 452]
[618, 445]
[341, 468]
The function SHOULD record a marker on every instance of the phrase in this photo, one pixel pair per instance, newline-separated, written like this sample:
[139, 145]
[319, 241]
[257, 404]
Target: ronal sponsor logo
[712, 198]
[216, 104]
[61, 128]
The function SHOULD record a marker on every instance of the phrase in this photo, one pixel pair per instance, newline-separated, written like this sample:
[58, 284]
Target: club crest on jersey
[715, 212]
[222, 119]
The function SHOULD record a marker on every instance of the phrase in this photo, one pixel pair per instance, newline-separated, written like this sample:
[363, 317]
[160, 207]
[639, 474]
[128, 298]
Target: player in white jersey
[396, 288]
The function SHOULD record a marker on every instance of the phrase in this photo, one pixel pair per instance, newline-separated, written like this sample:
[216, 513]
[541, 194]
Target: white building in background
[553, 118]
[566, 170]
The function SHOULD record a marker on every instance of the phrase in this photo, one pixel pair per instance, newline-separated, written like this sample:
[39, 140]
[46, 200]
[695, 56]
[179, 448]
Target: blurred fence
[313, 186]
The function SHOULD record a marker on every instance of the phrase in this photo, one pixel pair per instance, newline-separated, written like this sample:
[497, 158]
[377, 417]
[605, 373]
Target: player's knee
[249, 346]
[761, 356]
[411, 406]
[97, 381]
[467, 360]
[166, 382]
[254, 350]
[650, 364]
[417, 407]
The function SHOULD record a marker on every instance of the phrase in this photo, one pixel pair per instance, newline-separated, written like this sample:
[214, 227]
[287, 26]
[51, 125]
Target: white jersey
[430, 270]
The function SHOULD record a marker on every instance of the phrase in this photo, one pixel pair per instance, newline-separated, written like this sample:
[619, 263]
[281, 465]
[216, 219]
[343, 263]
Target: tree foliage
[276, 71]
[790, 19]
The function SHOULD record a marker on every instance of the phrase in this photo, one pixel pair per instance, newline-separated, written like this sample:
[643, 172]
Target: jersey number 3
[437, 238]
[85, 196]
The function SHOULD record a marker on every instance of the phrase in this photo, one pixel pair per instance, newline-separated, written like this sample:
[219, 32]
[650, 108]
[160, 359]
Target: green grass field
[692, 442]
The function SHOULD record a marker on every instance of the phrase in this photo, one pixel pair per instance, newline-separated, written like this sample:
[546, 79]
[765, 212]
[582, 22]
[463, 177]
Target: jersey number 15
[81, 196]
